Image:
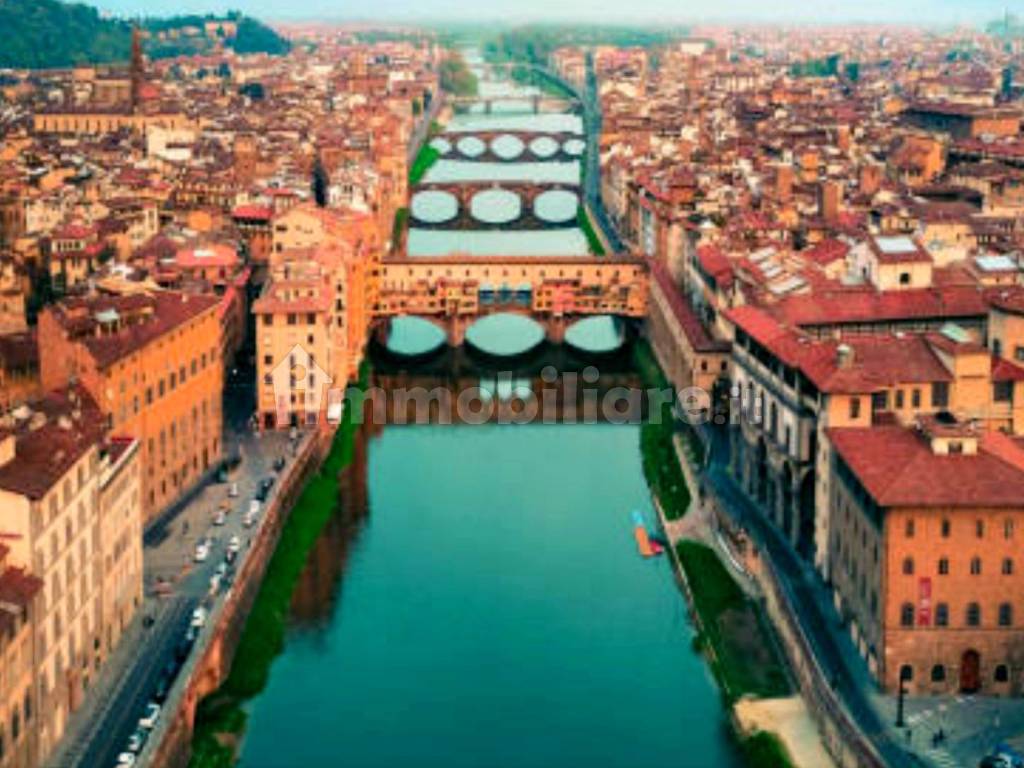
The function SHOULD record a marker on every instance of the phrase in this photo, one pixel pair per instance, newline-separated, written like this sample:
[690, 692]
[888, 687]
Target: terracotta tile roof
[715, 263]
[877, 363]
[898, 469]
[826, 252]
[66, 424]
[691, 325]
[869, 305]
[141, 319]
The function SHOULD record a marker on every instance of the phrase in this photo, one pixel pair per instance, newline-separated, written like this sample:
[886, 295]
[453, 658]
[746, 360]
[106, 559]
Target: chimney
[844, 356]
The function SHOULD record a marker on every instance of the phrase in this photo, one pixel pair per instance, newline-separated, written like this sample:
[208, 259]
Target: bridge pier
[556, 326]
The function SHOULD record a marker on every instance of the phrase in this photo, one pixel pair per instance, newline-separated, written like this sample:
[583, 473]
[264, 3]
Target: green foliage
[827, 66]
[657, 448]
[535, 42]
[852, 70]
[745, 658]
[456, 77]
[263, 637]
[765, 750]
[47, 33]
[426, 157]
[39, 34]
[401, 217]
[593, 241]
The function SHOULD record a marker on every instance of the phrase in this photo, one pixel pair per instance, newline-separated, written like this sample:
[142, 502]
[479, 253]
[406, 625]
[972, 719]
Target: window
[879, 401]
[945, 529]
[915, 398]
[906, 673]
[941, 615]
[979, 529]
[975, 566]
[973, 615]
[899, 399]
[1002, 391]
[1007, 566]
[1008, 529]
[1002, 674]
[940, 394]
[908, 566]
[907, 615]
[1005, 615]
[854, 407]
[904, 278]
[938, 674]
[909, 529]
[943, 566]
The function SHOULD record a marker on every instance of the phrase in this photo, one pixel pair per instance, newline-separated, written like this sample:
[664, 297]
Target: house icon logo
[300, 388]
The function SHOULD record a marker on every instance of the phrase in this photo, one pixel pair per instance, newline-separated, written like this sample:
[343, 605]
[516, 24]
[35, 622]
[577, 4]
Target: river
[478, 600]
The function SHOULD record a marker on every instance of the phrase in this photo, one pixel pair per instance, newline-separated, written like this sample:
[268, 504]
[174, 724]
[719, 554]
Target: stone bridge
[464, 193]
[530, 153]
[538, 103]
[455, 291]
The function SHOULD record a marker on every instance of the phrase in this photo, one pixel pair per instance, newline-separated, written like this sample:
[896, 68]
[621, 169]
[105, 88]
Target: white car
[198, 617]
[233, 490]
[215, 583]
[219, 518]
[202, 552]
[254, 507]
[151, 716]
[234, 544]
[249, 519]
[125, 759]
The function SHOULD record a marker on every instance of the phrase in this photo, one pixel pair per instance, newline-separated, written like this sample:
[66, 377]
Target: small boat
[644, 544]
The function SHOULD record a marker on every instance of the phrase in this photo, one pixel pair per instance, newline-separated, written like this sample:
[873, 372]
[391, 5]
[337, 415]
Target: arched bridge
[494, 205]
[510, 146]
[556, 291]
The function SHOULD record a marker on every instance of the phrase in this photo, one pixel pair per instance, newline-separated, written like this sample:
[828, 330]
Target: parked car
[233, 490]
[279, 463]
[125, 759]
[184, 647]
[229, 556]
[137, 740]
[234, 544]
[219, 518]
[191, 634]
[198, 617]
[202, 552]
[150, 716]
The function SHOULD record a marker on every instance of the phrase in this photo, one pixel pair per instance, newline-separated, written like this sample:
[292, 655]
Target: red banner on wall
[924, 601]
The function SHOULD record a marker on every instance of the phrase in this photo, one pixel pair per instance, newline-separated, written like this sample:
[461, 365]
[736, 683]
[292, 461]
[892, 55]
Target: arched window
[938, 674]
[975, 566]
[908, 566]
[907, 615]
[906, 673]
[973, 615]
[1002, 674]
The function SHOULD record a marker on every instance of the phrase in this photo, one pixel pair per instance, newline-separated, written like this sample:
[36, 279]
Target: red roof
[826, 252]
[898, 468]
[868, 305]
[695, 332]
[253, 212]
[716, 264]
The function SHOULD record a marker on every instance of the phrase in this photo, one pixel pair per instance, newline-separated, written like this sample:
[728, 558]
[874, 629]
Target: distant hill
[49, 33]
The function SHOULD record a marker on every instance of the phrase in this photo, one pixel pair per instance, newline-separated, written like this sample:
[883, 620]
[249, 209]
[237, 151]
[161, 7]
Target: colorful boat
[644, 545]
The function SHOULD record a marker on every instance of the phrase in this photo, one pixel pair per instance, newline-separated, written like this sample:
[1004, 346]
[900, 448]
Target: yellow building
[56, 470]
[152, 361]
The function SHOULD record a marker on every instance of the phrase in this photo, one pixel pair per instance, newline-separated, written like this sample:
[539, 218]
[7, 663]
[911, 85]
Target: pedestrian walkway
[789, 719]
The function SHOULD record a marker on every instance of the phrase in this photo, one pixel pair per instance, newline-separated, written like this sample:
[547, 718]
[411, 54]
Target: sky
[928, 12]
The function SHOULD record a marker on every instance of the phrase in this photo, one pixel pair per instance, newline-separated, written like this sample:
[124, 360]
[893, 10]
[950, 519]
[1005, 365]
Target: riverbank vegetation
[534, 43]
[765, 750]
[456, 77]
[657, 448]
[425, 158]
[733, 630]
[585, 224]
[398, 228]
[220, 718]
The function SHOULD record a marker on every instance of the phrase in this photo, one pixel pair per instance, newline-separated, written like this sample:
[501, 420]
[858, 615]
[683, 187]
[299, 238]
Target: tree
[319, 183]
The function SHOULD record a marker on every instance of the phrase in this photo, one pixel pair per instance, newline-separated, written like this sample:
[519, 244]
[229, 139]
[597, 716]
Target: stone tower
[138, 69]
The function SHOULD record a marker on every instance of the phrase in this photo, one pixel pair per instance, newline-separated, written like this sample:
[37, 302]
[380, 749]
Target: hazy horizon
[929, 13]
